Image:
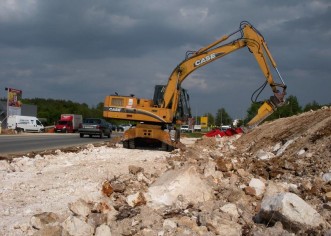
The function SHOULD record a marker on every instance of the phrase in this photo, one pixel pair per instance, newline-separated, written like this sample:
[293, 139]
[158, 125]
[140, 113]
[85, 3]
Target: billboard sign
[204, 122]
[14, 102]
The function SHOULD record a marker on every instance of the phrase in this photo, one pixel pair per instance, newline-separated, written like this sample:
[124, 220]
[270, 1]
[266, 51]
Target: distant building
[27, 110]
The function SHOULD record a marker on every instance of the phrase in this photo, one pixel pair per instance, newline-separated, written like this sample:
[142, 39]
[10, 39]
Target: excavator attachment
[268, 107]
[263, 113]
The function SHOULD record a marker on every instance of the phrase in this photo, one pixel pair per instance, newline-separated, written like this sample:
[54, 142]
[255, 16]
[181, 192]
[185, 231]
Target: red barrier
[228, 132]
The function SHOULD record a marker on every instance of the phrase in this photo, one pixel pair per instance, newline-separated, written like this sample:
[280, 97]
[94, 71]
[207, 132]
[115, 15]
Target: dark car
[120, 128]
[94, 126]
[113, 127]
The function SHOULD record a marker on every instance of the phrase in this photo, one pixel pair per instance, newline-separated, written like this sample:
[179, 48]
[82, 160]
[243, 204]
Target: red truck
[68, 123]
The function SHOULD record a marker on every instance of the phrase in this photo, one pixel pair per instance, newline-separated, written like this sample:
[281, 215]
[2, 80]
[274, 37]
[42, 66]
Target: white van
[25, 124]
[185, 129]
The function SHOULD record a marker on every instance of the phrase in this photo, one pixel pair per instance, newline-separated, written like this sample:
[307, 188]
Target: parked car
[123, 127]
[113, 127]
[94, 126]
[119, 128]
[185, 129]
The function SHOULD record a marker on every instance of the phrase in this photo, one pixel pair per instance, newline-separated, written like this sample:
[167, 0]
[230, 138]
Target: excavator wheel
[164, 147]
[170, 148]
[132, 144]
[167, 147]
[126, 144]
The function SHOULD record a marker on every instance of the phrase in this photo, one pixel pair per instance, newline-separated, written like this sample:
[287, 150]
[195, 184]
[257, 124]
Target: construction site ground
[267, 181]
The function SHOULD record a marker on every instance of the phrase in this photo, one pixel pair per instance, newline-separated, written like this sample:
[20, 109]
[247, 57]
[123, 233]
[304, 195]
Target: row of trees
[291, 108]
[51, 109]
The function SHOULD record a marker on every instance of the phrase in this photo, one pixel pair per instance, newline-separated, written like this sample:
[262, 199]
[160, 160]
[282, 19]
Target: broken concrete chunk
[187, 182]
[135, 169]
[283, 148]
[142, 178]
[328, 196]
[97, 219]
[150, 219]
[210, 170]
[40, 221]
[75, 226]
[169, 224]
[301, 152]
[277, 147]
[231, 209]
[222, 226]
[107, 188]
[50, 231]
[294, 213]
[250, 191]
[101, 207]
[224, 165]
[263, 155]
[103, 230]
[136, 199]
[118, 187]
[258, 186]
[326, 177]
[80, 208]
[242, 173]
[276, 187]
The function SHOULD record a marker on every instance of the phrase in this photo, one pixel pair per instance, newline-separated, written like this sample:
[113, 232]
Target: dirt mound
[302, 145]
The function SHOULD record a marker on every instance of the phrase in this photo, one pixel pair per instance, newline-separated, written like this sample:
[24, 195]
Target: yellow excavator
[156, 118]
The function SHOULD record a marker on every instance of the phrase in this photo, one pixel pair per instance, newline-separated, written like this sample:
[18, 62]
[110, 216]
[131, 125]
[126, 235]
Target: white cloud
[195, 82]
[116, 22]
[194, 14]
[16, 9]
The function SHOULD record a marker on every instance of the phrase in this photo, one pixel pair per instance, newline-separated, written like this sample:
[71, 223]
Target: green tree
[291, 108]
[211, 119]
[222, 117]
[312, 106]
[52, 109]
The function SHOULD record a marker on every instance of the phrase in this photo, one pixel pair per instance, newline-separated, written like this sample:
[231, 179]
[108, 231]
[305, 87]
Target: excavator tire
[164, 147]
[132, 144]
[170, 148]
[126, 144]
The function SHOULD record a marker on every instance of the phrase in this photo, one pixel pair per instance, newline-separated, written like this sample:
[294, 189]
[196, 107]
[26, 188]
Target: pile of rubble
[274, 180]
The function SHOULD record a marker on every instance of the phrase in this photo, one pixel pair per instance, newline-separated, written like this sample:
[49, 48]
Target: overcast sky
[83, 50]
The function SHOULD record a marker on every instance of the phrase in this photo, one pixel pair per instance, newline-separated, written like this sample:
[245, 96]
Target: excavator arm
[256, 44]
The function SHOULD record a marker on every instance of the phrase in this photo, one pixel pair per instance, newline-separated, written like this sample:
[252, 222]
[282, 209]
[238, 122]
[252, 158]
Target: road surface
[27, 142]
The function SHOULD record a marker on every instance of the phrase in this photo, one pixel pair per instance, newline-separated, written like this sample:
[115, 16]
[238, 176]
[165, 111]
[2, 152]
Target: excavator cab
[183, 112]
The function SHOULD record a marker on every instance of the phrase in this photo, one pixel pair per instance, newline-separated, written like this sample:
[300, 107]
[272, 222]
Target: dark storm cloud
[83, 50]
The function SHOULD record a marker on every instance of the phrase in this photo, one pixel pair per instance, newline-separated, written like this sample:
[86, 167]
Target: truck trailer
[68, 123]
[25, 124]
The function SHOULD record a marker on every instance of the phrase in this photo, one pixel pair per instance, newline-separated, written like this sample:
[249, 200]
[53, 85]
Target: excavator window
[117, 101]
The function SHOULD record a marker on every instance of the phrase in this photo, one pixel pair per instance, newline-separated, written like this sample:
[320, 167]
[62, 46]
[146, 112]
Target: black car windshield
[62, 122]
